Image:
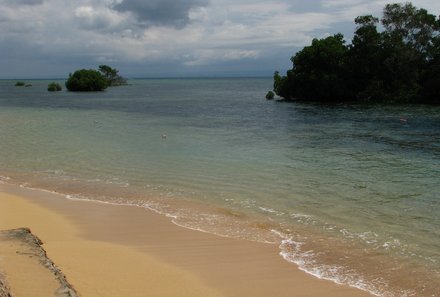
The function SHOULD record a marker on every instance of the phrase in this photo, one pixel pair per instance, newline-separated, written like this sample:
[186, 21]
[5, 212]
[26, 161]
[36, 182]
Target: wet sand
[110, 250]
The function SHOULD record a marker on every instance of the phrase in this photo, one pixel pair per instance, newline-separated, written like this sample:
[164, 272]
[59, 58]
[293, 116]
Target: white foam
[270, 210]
[4, 178]
[291, 251]
[395, 243]
[303, 218]
[116, 181]
[94, 180]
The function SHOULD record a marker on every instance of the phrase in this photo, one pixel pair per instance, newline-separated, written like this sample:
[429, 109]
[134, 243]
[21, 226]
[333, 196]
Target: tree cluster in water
[399, 64]
[90, 80]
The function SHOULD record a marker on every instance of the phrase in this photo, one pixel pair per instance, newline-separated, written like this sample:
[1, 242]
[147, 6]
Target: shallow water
[350, 193]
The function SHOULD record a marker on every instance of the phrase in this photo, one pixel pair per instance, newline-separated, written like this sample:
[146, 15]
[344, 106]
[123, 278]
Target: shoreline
[93, 267]
[147, 246]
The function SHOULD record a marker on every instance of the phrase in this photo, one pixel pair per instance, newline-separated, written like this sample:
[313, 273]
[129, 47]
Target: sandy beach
[111, 250]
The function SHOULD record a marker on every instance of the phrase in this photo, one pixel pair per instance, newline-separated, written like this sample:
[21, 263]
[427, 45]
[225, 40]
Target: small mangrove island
[400, 63]
[22, 84]
[90, 80]
[54, 87]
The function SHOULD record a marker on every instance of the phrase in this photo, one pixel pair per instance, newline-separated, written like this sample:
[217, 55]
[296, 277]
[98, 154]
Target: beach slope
[112, 250]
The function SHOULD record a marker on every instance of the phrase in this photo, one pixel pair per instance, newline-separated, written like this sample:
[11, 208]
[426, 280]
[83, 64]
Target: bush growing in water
[86, 81]
[112, 76]
[53, 87]
[20, 84]
[270, 95]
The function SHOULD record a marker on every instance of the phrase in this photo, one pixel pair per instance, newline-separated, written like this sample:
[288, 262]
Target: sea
[350, 193]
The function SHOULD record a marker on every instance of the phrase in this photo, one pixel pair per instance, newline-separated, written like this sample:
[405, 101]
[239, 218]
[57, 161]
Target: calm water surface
[349, 193]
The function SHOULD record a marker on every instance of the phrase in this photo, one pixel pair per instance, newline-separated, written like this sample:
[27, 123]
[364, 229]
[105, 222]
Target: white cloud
[101, 19]
[84, 32]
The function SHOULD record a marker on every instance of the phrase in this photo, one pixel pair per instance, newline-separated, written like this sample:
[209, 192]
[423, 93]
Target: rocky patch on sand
[28, 245]
[4, 289]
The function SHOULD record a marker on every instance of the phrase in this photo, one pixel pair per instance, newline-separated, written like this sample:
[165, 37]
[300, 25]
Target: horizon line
[147, 77]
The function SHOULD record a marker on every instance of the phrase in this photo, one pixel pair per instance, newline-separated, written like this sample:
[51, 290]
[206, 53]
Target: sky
[169, 38]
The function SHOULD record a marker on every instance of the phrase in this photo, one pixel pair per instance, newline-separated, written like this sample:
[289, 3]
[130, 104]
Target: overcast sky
[157, 38]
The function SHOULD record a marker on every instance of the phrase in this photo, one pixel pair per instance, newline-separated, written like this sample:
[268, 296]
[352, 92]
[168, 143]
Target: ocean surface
[350, 193]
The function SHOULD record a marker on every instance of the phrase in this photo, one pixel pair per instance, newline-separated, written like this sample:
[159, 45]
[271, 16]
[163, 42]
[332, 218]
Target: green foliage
[54, 87]
[270, 95]
[112, 76]
[363, 57]
[86, 80]
[399, 64]
[415, 27]
[20, 84]
[431, 82]
[280, 85]
[319, 70]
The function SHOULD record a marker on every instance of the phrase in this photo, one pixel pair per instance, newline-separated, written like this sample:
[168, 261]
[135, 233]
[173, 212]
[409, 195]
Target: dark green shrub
[270, 95]
[86, 81]
[54, 87]
[112, 76]
[20, 84]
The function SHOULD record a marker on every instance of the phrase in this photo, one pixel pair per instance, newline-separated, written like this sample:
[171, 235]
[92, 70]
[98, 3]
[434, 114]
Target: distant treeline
[399, 64]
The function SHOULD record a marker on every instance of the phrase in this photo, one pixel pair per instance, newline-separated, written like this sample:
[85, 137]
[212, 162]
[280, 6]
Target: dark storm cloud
[160, 12]
[24, 2]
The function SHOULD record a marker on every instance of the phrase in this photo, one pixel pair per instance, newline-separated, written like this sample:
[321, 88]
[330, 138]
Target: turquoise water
[349, 193]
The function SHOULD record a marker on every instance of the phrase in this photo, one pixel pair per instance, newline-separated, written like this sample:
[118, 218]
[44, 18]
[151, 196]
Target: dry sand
[108, 250]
